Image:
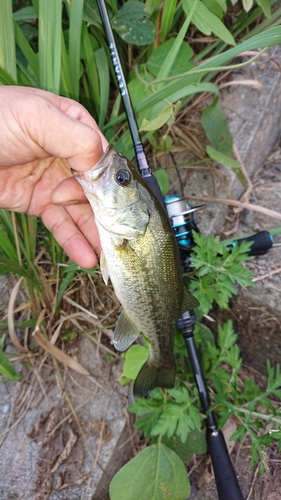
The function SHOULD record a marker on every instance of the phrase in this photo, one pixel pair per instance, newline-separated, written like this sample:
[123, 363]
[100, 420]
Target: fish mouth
[97, 171]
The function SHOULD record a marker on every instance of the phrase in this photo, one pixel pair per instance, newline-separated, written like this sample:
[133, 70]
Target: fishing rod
[144, 168]
[180, 215]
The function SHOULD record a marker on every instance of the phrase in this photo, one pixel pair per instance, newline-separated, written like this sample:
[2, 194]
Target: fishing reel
[182, 222]
[181, 216]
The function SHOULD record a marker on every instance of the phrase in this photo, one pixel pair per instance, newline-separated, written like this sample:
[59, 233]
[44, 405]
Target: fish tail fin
[152, 375]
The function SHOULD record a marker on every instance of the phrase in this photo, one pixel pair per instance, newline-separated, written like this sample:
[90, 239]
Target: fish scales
[141, 257]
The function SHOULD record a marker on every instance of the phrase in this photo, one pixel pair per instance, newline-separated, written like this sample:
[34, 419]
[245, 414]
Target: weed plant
[60, 46]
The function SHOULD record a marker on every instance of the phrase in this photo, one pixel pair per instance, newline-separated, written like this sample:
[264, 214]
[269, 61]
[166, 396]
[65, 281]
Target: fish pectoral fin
[122, 245]
[125, 333]
[103, 268]
[188, 301]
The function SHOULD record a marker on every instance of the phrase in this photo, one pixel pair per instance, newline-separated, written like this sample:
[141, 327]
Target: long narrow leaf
[66, 82]
[172, 54]
[103, 70]
[27, 50]
[7, 39]
[167, 18]
[89, 48]
[266, 39]
[50, 44]
[75, 27]
[6, 245]
[5, 78]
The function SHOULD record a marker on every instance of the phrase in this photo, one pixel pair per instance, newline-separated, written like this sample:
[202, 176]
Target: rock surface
[45, 449]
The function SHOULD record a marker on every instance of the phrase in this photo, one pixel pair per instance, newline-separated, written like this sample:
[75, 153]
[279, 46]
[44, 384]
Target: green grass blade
[50, 44]
[103, 70]
[27, 50]
[7, 39]
[89, 47]
[167, 18]
[66, 82]
[64, 283]
[25, 77]
[57, 29]
[265, 39]
[5, 78]
[28, 226]
[75, 27]
[172, 54]
[25, 14]
[6, 245]
[7, 369]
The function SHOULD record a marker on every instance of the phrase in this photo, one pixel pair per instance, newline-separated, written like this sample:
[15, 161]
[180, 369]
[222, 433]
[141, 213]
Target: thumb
[80, 144]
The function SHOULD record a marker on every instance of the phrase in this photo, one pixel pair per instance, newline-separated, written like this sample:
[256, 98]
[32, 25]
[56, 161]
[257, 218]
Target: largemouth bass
[141, 257]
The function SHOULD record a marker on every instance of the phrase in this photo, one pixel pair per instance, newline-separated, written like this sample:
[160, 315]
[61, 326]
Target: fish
[140, 255]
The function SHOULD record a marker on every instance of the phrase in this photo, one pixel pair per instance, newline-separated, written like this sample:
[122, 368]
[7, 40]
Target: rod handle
[226, 480]
[261, 243]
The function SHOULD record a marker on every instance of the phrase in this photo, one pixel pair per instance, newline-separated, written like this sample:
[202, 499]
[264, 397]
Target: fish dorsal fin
[188, 302]
[103, 268]
[125, 333]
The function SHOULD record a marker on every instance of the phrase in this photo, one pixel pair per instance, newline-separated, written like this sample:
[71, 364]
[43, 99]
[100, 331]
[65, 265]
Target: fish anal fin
[188, 302]
[152, 375]
[125, 333]
[103, 268]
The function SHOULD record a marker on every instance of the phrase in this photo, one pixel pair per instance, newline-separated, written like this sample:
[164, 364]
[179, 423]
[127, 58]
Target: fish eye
[123, 177]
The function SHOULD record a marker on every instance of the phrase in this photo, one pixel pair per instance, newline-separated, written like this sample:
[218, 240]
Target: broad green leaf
[265, 5]
[156, 473]
[222, 159]
[91, 13]
[7, 39]
[180, 64]
[195, 444]
[151, 5]
[135, 357]
[247, 4]
[132, 24]
[214, 7]
[207, 22]
[163, 180]
[222, 4]
[159, 121]
[216, 128]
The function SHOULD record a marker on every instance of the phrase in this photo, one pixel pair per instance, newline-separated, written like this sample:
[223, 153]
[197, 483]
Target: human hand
[44, 136]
